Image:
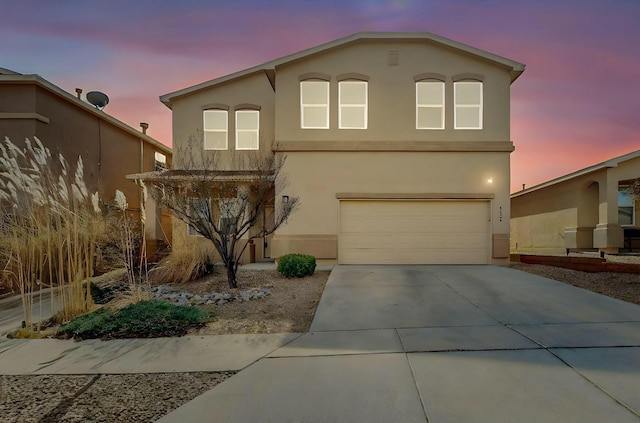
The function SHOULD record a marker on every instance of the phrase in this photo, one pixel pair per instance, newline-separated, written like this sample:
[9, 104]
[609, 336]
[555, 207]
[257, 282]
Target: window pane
[625, 215]
[468, 117]
[468, 93]
[353, 92]
[353, 117]
[430, 118]
[215, 140]
[314, 92]
[247, 119]
[314, 117]
[625, 198]
[430, 93]
[215, 119]
[247, 140]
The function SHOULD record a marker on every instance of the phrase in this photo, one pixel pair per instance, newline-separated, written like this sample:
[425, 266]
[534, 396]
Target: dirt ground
[623, 286]
[289, 308]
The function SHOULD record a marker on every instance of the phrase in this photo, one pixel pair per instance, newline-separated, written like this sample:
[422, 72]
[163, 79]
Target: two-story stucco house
[398, 145]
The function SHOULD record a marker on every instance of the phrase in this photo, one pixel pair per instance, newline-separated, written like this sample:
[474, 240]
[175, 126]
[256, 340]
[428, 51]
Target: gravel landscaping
[99, 398]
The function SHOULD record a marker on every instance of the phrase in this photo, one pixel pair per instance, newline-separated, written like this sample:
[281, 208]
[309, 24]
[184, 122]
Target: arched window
[216, 129]
[467, 94]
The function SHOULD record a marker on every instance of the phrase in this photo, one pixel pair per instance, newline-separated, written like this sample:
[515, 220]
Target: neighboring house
[589, 209]
[31, 106]
[398, 145]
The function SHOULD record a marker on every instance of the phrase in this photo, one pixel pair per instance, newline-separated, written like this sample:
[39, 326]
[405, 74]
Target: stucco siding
[391, 92]
[188, 120]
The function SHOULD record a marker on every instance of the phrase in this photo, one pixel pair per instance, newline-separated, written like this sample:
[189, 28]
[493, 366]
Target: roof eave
[38, 80]
[516, 67]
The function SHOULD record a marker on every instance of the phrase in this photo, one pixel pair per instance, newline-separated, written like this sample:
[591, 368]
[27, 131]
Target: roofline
[614, 162]
[38, 80]
[516, 68]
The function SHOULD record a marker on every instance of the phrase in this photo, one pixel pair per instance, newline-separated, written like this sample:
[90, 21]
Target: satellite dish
[98, 99]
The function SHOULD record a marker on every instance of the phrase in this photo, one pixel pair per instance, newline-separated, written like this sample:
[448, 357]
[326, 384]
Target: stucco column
[608, 235]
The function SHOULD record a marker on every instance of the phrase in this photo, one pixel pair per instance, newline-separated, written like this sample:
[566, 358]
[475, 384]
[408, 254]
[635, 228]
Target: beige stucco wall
[391, 95]
[548, 219]
[109, 153]
[188, 120]
[420, 164]
[317, 177]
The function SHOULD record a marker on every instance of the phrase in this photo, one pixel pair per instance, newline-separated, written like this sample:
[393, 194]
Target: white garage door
[414, 232]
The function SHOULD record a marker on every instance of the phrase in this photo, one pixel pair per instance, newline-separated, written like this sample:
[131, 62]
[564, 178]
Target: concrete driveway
[443, 344]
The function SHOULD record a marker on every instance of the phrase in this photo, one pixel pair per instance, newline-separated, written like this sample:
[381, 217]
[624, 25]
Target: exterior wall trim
[468, 76]
[430, 75]
[314, 75]
[435, 146]
[36, 116]
[352, 75]
[215, 106]
[414, 196]
[247, 106]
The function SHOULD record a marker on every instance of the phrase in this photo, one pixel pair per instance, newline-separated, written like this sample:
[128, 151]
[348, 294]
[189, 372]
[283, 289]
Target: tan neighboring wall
[33, 107]
[577, 211]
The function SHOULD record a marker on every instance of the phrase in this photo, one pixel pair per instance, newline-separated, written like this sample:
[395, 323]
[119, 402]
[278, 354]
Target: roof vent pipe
[144, 127]
[78, 92]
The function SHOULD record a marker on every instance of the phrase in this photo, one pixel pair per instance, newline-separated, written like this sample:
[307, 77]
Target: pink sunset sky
[577, 104]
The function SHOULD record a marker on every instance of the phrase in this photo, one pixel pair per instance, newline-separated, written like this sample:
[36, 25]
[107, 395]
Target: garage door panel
[414, 232]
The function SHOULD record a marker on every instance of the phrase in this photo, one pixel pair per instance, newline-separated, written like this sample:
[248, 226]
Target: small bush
[296, 265]
[146, 319]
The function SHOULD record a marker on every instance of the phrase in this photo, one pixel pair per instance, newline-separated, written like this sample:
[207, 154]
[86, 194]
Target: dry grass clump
[182, 267]
[50, 226]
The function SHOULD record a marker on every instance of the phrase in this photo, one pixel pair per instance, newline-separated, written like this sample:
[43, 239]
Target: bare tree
[224, 206]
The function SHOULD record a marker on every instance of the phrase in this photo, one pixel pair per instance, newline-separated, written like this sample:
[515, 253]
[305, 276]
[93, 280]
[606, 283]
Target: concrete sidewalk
[156, 355]
[443, 344]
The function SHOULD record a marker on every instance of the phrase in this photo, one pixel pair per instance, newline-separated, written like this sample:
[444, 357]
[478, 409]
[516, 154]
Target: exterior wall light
[285, 199]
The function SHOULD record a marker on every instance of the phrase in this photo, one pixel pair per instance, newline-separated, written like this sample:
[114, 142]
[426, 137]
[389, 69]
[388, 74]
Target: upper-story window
[353, 104]
[247, 129]
[468, 104]
[215, 129]
[430, 104]
[314, 104]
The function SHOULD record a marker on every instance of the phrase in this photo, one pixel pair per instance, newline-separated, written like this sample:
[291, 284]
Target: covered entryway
[414, 232]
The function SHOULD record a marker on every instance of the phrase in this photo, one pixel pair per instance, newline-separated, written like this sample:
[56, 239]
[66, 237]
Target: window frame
[226, 130]
[303, 105]
[256, 131]
[626, 189]
[431, 106]
[364, 105]
[479, 106]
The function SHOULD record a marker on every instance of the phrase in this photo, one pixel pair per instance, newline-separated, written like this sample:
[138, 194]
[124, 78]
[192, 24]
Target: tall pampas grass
[51, 226]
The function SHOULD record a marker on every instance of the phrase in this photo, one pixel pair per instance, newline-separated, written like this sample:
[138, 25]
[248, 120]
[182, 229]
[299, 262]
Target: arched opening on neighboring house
[588, 215]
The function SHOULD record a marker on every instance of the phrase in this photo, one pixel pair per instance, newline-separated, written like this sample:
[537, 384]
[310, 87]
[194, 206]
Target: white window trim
[468, 106]
[365, 105]
[633, 207]
[256, 131]
[226, 130]
[427, 106]
[303, 106]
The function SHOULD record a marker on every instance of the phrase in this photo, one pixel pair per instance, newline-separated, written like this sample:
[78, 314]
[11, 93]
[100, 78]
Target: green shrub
[145, 319]
[296, 265]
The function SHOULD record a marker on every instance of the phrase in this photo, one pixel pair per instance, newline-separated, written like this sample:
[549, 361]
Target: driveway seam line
[415, 383]
[595, 384]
